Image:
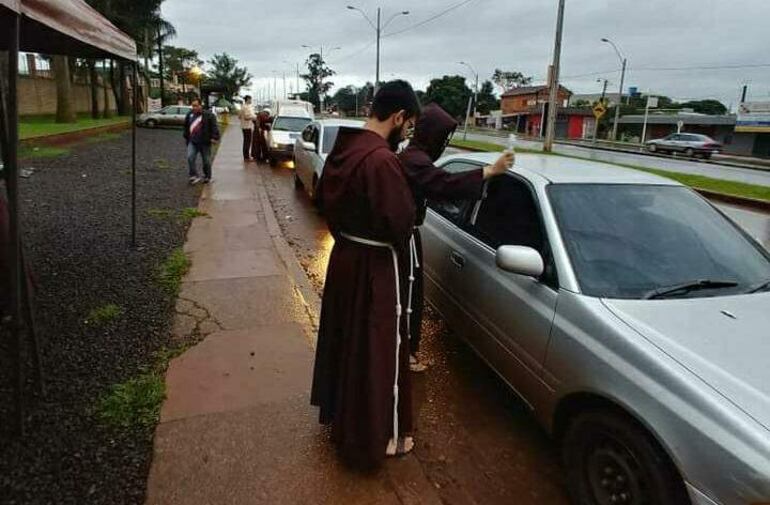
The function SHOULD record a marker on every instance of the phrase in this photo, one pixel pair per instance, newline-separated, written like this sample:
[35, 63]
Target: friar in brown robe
[432, 134]
[361, 374]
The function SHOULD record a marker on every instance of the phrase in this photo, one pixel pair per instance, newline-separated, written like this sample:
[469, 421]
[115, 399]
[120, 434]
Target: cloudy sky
[672, 47]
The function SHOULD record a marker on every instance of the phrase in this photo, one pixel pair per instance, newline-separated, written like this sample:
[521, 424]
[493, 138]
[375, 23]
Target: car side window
[454, 210]
[508, 215]
[307, 133]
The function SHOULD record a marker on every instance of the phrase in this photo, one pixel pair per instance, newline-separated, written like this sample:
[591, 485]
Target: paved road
[716, 171]
[476, 442]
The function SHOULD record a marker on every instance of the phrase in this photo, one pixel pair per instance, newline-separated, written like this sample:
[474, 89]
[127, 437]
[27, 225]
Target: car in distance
[629, 314]
[285, 130]
[691, 144]
[312, 148]
[172, 115]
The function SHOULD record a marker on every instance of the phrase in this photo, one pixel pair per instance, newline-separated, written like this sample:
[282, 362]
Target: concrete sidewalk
[237, 426]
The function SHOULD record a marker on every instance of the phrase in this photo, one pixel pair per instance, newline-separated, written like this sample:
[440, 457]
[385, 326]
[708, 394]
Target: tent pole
[12, 188]
[135, 93]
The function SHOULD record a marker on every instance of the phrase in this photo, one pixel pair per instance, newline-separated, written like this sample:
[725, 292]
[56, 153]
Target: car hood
[725, 341]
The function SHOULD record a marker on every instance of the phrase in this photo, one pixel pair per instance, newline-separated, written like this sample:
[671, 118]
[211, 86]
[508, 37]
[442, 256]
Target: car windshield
[290, 124]
[626, 241]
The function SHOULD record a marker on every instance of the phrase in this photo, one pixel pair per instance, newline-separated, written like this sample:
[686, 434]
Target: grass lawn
[41, 126]
[696, 181]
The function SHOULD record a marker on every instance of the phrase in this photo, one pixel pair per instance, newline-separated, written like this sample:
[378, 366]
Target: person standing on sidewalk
[263, 124]
[432, 134]
[246, 116]
[200, 131]
[361, 376]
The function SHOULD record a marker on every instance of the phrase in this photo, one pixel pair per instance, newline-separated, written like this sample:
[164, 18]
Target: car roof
[341, 122]
[564, 170]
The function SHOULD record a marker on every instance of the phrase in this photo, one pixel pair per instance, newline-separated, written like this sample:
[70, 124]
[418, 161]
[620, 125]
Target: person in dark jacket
[432, 133]
[262, 125]
[200, 131]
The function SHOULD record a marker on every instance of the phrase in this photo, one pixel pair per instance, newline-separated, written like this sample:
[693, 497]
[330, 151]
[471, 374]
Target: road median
[737, 193]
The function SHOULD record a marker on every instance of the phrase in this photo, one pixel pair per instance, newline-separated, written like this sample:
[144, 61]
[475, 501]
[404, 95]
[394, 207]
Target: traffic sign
[599, 110]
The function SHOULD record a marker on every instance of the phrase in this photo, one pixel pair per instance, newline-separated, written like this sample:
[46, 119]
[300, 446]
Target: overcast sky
[655, 35]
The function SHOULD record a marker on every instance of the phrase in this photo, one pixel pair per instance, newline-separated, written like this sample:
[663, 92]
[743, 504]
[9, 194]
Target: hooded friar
[432, 134]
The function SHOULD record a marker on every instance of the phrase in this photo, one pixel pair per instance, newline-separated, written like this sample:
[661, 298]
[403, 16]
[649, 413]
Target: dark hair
[392, 97]
[247, 98]
[196, 100]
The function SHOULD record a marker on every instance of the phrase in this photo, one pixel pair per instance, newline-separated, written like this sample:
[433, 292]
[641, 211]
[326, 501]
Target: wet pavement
[476, 442]
[715, 170]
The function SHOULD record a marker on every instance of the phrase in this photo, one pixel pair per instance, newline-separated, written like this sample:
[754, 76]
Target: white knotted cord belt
[396, 272]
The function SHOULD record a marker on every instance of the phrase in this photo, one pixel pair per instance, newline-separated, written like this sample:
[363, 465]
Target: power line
[354, 53]
[428, 20]
[704, 67]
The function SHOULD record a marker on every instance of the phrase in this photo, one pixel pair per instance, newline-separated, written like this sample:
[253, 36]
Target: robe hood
[432, 131]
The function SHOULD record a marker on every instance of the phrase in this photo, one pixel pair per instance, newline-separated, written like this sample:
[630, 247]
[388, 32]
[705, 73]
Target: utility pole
[298, 92]
[475, 97]
[652, 101]
[553, 99]
[378, 30]
[284, 85]
[743, 92]
[601, 101]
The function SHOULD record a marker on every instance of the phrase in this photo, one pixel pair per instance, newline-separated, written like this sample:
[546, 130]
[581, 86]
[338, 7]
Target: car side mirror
[308, 146]
[520, 260]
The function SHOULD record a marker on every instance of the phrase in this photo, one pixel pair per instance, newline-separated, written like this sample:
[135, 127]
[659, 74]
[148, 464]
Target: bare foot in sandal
[404, 446]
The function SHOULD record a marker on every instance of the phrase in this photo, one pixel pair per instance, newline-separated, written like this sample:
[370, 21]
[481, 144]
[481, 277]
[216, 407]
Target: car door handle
[458, 259]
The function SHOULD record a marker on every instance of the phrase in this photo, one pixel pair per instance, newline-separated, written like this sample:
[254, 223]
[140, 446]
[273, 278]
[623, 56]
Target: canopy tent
[65, 27]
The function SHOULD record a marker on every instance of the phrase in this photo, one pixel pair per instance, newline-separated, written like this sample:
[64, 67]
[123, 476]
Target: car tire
[297, 181]
[272, 162]
[652, 148]
[610, 458]
[150, 123]
[706, 156]
[689, 152]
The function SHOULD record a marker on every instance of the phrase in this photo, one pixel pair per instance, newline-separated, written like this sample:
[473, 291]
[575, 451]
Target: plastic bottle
[511, 147]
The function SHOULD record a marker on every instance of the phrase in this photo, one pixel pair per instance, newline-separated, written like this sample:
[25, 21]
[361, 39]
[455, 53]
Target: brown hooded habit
[432, 133]
[357, 381]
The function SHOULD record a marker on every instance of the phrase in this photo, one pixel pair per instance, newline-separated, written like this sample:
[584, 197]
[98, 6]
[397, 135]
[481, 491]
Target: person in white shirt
[247, 117]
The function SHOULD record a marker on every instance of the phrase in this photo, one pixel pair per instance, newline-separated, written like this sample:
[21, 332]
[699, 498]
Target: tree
[345, 100]
[179, 62]
[65, 112]
[226, 73]
[317, 72]
[487, 101]
[714, 107]
[510, 79]
[451, 93]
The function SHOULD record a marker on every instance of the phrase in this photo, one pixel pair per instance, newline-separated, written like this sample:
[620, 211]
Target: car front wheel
[689, 152]
[150, 123]
[652, 148]
[297, 181]
[612, 460]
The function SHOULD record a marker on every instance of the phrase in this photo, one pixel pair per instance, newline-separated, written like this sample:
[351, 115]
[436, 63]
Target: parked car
[311, 149]
[286, 129]
[172, 115]
[628, 313]
[691, 144]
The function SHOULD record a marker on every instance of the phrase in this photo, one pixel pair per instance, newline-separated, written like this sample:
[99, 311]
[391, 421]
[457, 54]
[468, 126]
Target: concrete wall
[37, 96]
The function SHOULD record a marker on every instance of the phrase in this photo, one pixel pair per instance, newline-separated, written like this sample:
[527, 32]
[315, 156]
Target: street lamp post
[378, 30]
[620, 94]
[475, 99]
[553, 99]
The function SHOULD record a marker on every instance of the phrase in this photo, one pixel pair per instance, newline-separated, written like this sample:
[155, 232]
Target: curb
[301, 284]
[751, 203]
[70, 137]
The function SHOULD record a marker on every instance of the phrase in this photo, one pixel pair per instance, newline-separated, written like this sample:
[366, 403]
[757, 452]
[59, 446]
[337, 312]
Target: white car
[311, 149]
[283, 133]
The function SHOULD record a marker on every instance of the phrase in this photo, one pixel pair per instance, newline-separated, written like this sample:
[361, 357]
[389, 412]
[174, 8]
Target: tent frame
[22, 316]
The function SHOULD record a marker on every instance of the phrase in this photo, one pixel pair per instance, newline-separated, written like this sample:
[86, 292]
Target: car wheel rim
[615, 476]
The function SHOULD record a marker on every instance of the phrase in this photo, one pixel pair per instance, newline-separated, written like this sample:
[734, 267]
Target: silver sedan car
[311, 149]
[691, 144]
[628, 313]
